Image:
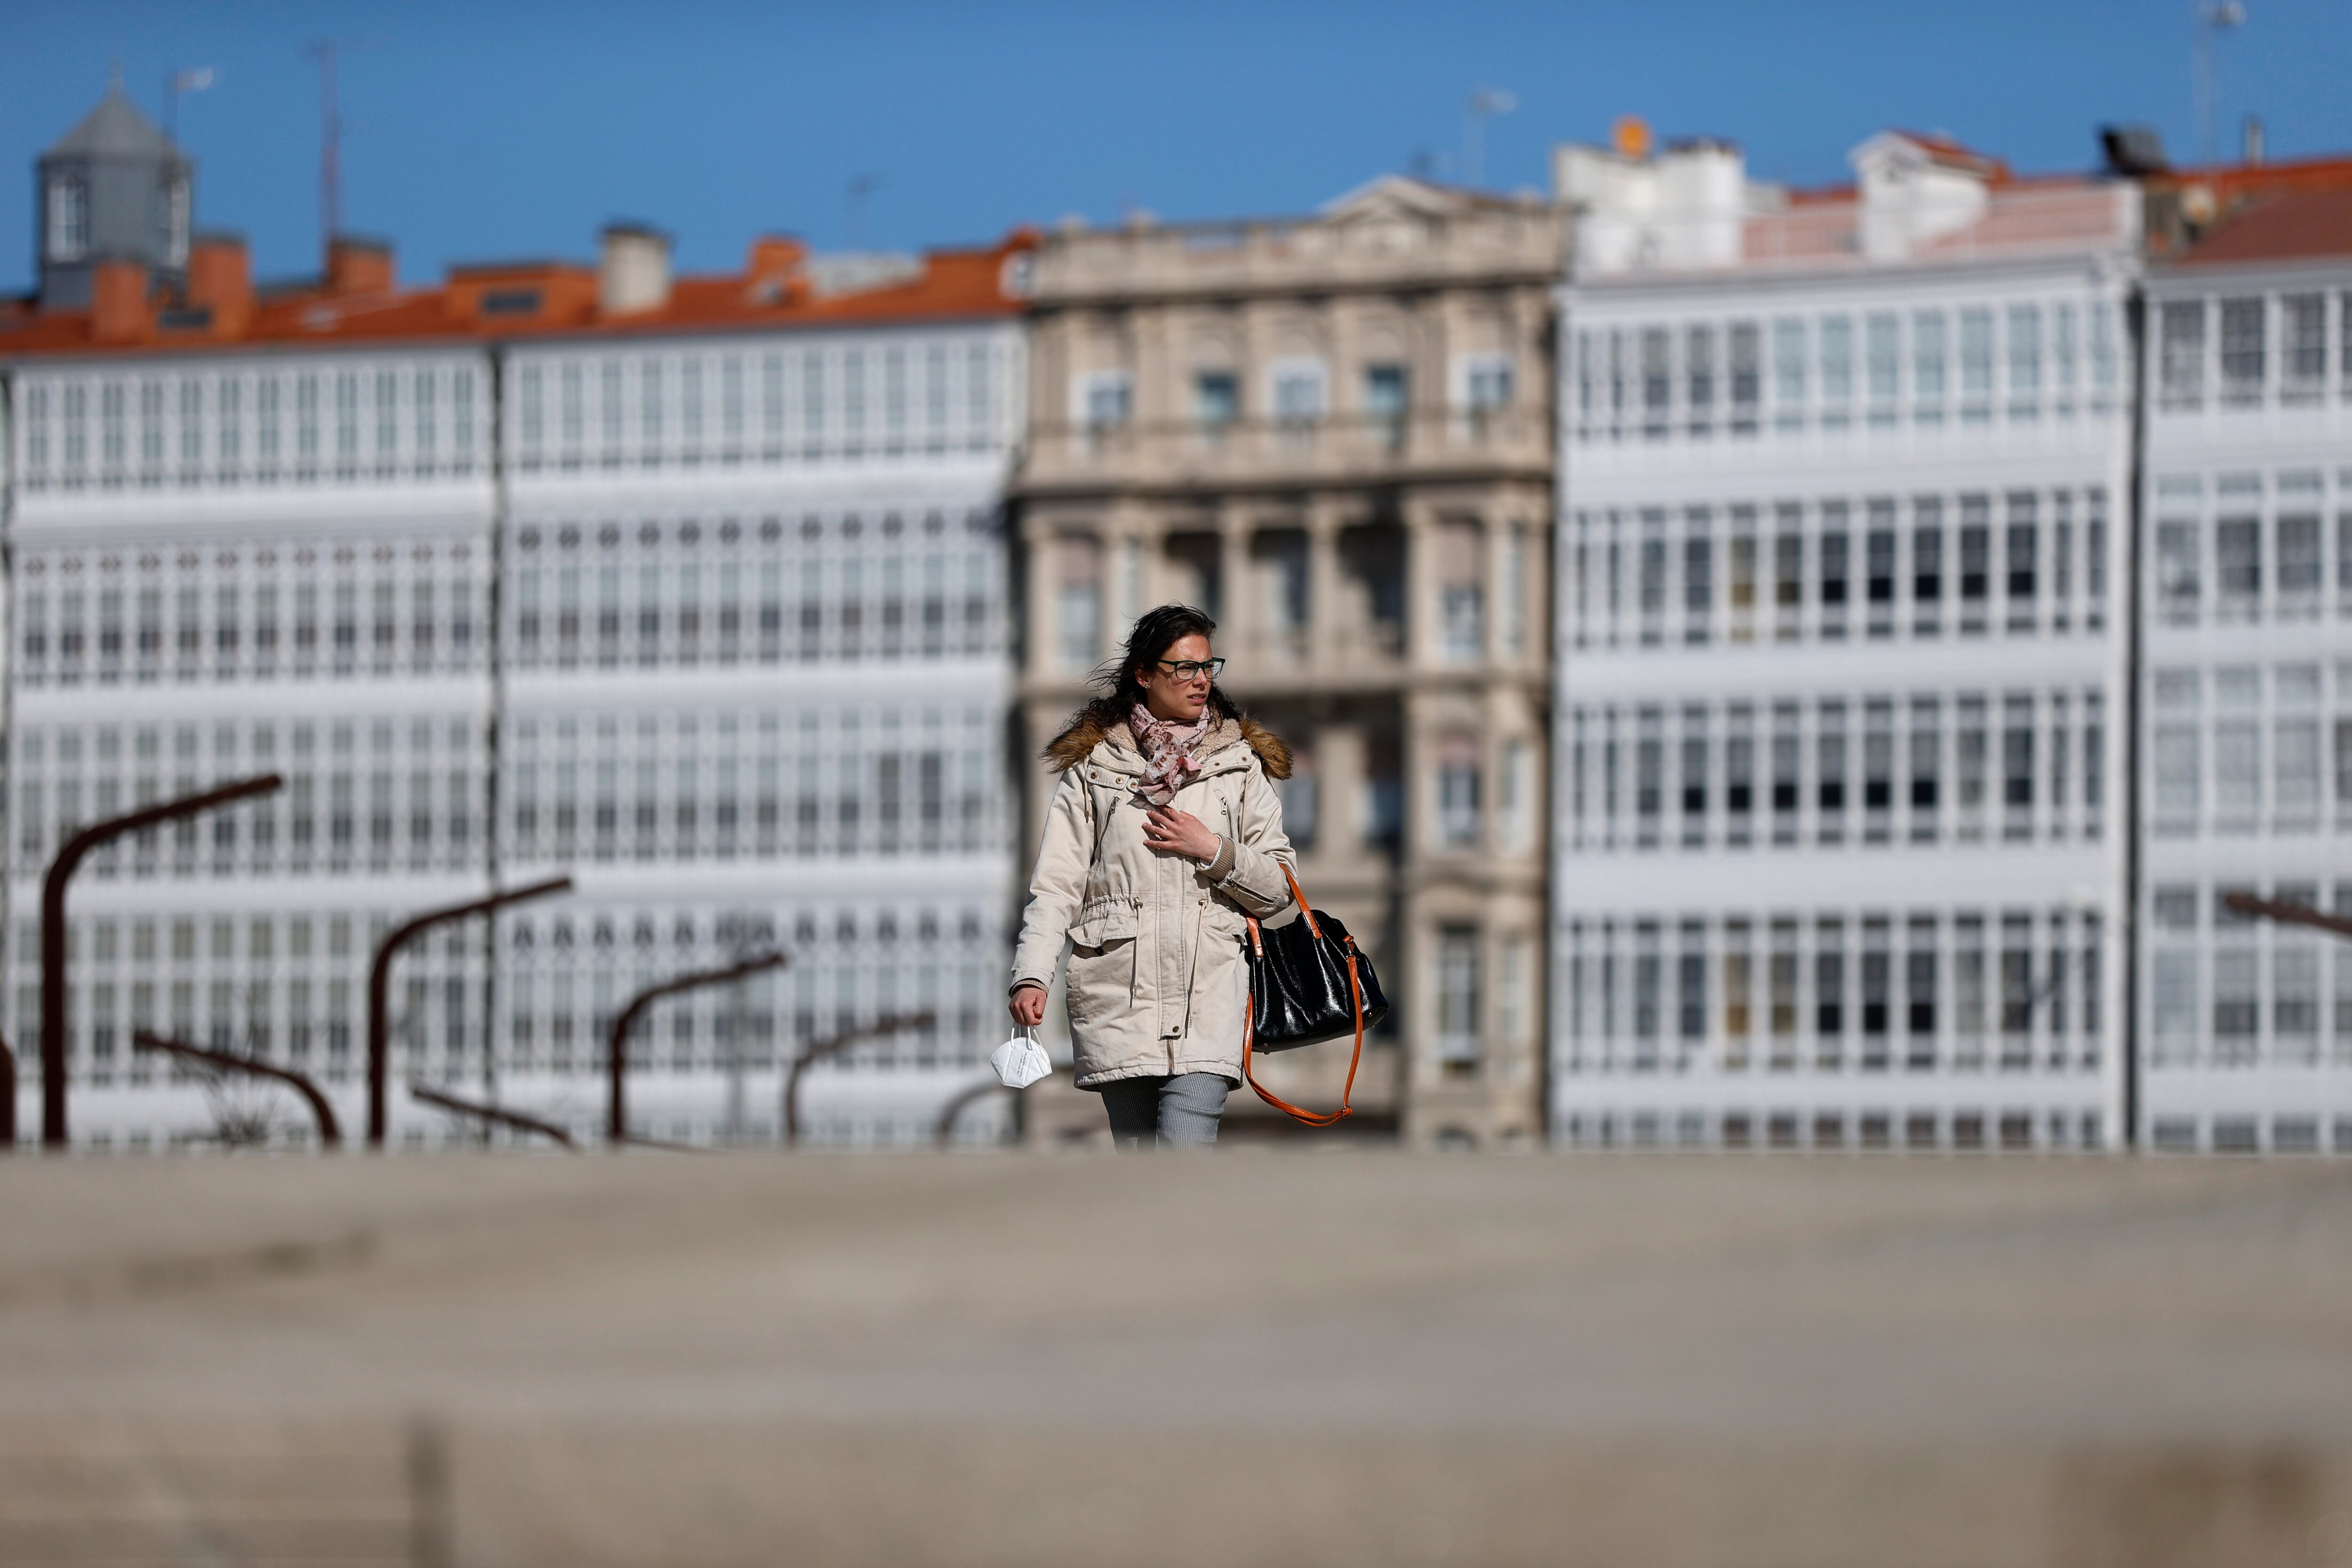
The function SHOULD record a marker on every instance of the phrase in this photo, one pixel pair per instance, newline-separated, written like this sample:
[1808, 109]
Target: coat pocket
[1223, 922]
[1105, 919]
[1102, 958]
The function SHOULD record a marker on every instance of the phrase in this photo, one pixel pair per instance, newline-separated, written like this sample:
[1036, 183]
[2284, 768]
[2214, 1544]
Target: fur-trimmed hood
[1089, 729]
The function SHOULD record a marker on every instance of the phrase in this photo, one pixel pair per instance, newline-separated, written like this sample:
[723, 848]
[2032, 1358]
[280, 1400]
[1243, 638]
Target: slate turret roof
[115, 129]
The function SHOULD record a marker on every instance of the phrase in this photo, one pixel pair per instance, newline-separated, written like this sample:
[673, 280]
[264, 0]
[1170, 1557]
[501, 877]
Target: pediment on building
[1392, 196]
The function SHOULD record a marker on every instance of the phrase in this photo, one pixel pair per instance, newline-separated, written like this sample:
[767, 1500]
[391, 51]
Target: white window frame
[1284, 378]
[68, 217]
[1091, 389]
[1474, 376]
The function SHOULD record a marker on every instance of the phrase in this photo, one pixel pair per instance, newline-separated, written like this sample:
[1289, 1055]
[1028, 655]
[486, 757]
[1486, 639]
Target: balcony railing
[1335, 447]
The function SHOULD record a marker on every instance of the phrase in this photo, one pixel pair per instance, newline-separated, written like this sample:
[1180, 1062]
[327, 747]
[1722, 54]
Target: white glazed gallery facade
[2247, 705]
[748, 688]
[1841, 647]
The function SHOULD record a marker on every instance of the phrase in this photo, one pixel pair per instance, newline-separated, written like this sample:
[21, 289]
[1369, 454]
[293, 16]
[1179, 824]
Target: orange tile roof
[774, 292]
[2279, 226]
[2238, 180]
[2222, 192]
[1944, 150]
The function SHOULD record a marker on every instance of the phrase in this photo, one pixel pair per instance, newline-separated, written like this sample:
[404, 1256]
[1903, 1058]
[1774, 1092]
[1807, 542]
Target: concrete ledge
[1253, 1358]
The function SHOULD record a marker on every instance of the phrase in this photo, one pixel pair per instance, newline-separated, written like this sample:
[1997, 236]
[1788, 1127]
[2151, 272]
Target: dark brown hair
[1155, 632]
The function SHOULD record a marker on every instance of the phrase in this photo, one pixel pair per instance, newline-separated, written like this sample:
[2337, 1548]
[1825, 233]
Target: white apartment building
[1838, 857]
[2247, 691]
[692, 588]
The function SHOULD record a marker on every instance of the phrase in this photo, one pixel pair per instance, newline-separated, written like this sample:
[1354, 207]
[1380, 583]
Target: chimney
[359, 266]
[632, 269]
[2254, 144]
[220, 279]
[118, 302]
[1916, 190]
[774, 261]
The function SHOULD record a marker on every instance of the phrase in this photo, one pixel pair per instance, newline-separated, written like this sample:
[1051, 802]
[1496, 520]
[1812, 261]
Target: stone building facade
[1333, 433]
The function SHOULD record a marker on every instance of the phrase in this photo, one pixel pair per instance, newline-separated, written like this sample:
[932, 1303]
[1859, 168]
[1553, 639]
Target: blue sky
[490, 129]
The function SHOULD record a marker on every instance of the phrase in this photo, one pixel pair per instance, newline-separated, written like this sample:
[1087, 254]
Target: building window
[2238, 566]
[2237, 1006]
[68, 220]
[2302, 358]
[1105, 398]
[1386, 396]
[1457, 793]
[2299, 565]
[1078, 604]
[1739, 998]
[1462, 599]
[175, 223]
[1518, 806]
[2063, 356]
[1976, 561]
[1657, 383]
[2237, 772]
[2181, 354]
[1928, 368]
[1457, 994]
[1739, 776]
[1489, 383]
[1746, 375]
[2024, 363]
[1883, 365]
[1216, 399]
[1699, 380]
[1976, 366]
[1837, 371]
[2017, 764]
[2242, 352]
[1690, 986]
[1789, 375]
[1299, 392]
[1649, 777]
[1693, 778]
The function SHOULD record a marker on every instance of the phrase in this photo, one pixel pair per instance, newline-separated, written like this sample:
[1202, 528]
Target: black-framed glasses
[1193, 668]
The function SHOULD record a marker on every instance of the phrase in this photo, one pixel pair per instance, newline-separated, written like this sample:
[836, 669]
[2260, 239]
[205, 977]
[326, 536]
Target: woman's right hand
[1028, 1007]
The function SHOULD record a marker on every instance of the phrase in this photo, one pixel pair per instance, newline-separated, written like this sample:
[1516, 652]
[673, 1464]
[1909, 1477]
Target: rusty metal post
[497, 1113]
[833, 1045]
[380, 981]
[2291, 915]
[53, 928]
[331, 1131]
[944, 1133]
[616, 1067]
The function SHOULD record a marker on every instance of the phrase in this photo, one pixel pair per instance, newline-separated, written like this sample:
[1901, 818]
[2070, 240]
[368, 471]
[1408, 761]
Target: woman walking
[1162, 834]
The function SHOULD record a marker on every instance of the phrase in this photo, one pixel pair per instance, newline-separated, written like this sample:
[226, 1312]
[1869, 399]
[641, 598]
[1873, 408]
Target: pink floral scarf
[1170, 752]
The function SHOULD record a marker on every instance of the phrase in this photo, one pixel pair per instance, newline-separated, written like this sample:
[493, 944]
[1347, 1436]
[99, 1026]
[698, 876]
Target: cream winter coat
[1157, 983]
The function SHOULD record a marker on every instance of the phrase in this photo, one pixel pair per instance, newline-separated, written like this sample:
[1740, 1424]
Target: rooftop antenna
[177, 83]
[860, 188]
[1483, 105]
[330, 143]
[2214, 18]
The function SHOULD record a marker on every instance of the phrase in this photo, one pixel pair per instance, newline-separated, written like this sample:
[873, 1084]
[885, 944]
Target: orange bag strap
[1249, 1036]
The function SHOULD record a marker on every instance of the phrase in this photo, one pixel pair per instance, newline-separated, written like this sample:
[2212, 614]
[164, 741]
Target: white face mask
[1021, 1060]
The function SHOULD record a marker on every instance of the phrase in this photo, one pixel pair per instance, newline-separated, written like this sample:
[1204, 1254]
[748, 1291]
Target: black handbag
[1309, 982]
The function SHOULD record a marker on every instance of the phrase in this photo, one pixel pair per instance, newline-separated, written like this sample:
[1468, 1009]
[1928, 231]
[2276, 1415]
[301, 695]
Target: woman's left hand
[1174, 832]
